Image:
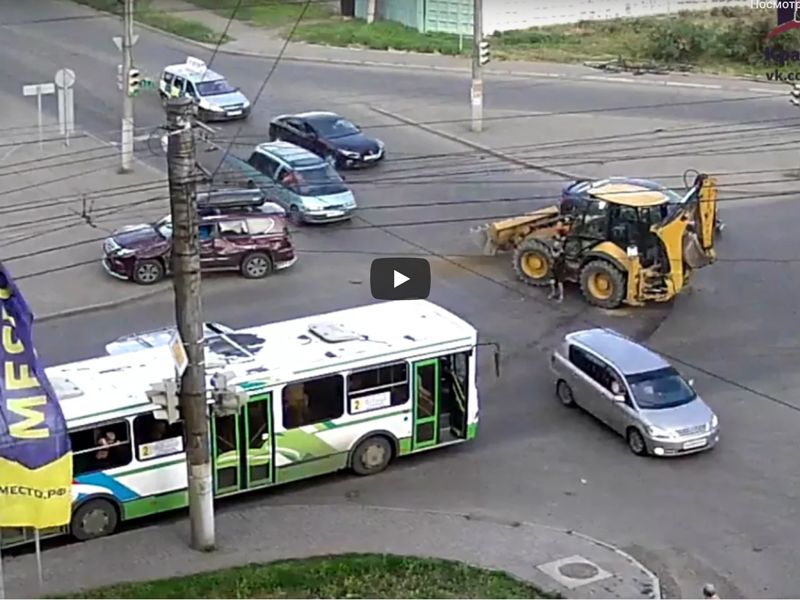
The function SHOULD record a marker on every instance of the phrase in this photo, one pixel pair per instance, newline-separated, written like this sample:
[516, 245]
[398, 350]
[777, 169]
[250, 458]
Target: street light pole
[126, 138]
[476, 90]
[189, 318]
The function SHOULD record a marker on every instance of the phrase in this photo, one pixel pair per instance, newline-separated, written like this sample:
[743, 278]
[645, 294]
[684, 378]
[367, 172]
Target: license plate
[334, 213]
[694, 444]
[234, 113]
[371, 157]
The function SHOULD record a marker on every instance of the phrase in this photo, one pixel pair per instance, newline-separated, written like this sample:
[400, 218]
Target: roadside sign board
[39, 89]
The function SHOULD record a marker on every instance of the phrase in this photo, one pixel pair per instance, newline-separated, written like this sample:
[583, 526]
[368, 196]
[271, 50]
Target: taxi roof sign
[178, 353]
[195, 64]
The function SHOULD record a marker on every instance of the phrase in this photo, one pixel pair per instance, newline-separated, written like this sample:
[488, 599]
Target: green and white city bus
[348, 389]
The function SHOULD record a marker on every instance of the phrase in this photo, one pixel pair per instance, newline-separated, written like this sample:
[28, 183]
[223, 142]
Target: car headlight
[123, 252]
[658, 432]
[313, 207]
[349, 153]
[381, 145]
[714, 421]
[206, 105]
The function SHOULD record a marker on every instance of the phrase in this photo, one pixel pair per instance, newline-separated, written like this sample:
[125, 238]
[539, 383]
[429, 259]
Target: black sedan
[330, 136]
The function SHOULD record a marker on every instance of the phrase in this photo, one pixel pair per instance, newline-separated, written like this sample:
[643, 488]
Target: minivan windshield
[664, 388]
[216, 87]
[319, 181]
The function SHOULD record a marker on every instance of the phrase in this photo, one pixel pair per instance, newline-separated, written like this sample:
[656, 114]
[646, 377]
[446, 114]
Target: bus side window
[101, 448]
[380, 387]
[155, 438]
[313, 401]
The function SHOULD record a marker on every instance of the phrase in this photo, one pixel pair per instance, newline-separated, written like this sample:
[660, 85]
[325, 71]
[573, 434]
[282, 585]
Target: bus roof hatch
[333, 333]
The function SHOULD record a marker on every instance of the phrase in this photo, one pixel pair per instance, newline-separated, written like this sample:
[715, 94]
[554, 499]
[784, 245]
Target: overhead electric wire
[657, 134]
[269, 75]
[110, 210]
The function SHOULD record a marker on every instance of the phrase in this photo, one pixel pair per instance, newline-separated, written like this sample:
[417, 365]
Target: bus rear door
[243, 447]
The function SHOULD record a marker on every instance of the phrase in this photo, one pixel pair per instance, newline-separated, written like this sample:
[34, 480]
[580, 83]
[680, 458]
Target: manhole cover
[578, 570]
[574, 571]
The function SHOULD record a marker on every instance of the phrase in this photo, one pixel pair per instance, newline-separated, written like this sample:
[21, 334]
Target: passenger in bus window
[159, 430]
[296, 405]
[104, 442]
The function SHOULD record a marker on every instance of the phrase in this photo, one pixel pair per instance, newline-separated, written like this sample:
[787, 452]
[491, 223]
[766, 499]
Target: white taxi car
[216, 99]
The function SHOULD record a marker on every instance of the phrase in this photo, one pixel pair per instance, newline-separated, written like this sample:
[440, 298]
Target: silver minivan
[634, 391]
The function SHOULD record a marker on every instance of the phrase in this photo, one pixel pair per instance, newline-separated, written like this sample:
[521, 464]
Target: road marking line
[766, 91]
[704, 86]
[10, 152]
[116, 145]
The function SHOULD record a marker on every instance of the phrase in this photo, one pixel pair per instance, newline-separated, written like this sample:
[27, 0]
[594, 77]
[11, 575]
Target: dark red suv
[238, 231]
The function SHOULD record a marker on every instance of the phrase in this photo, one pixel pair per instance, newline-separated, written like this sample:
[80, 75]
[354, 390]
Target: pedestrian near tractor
[557, 269]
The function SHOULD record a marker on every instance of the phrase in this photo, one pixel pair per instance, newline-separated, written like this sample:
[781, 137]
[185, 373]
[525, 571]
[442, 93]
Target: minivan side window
[591, 366]
[264, 164]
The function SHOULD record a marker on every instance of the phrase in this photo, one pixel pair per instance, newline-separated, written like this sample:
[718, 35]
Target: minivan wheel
[564, 393]
[636, 442]
[148, 272]
[256, 266]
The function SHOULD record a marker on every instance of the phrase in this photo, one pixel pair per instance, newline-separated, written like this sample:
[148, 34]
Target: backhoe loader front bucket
[480, 235]
[503, 236]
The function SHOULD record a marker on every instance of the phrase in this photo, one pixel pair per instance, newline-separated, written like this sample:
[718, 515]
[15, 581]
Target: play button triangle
[399, 278]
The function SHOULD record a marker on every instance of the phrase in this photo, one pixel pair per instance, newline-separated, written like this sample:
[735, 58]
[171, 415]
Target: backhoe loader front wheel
[533, 262]
[602, 284]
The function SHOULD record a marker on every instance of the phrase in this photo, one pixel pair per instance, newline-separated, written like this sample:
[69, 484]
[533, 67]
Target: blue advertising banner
[35, 453]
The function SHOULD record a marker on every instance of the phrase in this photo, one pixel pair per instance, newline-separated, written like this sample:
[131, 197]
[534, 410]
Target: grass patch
[723, 40]
[146, 14]
[270, 14]
[382, 35]
[346, 576]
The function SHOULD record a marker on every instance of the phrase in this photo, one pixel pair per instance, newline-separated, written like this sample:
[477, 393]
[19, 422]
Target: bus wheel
[94, 519]
[372, 456]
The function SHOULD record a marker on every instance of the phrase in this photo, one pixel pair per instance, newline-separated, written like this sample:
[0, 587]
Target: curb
[71, 312]
[655, 582]
[465, 70]
[474, 145]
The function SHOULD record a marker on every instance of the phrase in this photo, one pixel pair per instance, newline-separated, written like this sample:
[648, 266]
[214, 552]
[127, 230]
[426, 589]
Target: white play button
[399, 278]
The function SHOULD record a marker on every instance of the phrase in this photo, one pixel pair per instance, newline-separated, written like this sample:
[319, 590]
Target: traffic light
[134, 82]
[796, 94]
[483, 52]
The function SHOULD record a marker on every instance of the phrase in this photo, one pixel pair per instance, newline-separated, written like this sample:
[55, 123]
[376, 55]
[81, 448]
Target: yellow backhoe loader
[626, 241]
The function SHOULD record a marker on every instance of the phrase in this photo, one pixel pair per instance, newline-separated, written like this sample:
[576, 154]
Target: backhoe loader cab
[627, 241]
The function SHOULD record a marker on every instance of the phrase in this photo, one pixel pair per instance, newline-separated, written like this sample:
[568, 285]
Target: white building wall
[504, 15]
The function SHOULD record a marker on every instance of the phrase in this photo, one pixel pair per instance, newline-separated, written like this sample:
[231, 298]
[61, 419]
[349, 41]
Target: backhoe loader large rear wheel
[533, 262]
[602, 284]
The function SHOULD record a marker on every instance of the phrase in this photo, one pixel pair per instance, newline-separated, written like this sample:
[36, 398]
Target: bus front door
[243, 447]
[426, 404]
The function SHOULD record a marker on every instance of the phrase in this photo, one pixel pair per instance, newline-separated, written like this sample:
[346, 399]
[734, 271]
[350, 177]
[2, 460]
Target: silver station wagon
[635, 392]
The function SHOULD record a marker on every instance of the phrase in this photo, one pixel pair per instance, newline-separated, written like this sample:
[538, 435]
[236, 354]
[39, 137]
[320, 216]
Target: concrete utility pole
[189, 317]
[126, 140]
[372, 7]
[476, 91]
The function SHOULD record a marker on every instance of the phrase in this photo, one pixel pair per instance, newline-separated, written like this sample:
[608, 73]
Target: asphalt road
[728, 516]
[86, 47]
